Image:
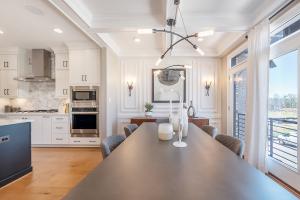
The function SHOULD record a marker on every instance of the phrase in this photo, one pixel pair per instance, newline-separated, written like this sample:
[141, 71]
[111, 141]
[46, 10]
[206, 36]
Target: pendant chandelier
[171, 23]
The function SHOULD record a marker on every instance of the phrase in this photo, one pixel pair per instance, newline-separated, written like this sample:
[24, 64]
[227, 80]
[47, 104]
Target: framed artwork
[168, 84]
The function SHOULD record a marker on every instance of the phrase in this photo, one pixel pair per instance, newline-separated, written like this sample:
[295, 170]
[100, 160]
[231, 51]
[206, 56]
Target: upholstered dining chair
[129, 129]
[210, 130]
[234, 144]
[110, 143]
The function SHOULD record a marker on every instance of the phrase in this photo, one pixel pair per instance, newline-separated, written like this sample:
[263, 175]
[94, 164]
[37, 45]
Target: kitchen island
[15, 149]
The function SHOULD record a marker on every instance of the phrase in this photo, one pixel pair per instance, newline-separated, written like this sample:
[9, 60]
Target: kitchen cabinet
[85, 140]
[46, 131]
[61, 61]
[15, 152]
[8, 61]
[62, 83]
[8, 86]
[60, 130]
[84, 67]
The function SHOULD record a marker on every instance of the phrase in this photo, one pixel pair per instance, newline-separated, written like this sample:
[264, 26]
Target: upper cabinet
[8, 61]
[61, 61]
[84, 67]
[61, 75]
[11, 61]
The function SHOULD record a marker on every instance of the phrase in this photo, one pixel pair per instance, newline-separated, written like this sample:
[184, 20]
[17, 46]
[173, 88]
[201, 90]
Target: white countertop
[5, 122]
[32, 114]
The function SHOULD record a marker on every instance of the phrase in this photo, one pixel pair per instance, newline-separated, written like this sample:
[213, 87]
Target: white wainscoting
[139, 70]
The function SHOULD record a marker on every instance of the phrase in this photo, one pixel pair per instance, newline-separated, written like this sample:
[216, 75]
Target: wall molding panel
[139, 69]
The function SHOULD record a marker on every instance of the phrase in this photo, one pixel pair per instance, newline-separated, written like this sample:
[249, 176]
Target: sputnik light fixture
[171, 23]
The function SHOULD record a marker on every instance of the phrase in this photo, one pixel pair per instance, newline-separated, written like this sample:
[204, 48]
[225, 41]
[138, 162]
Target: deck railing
[282, 138]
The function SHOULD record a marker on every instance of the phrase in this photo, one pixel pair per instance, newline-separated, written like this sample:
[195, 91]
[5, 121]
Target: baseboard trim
[15, 176]
[284, 184]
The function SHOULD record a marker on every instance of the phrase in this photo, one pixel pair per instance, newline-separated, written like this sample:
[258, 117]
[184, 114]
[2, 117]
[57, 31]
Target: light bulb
[200, 51]
[187, 66]
[205, 33]
[157, 72]
[145, 31]
[158, 61]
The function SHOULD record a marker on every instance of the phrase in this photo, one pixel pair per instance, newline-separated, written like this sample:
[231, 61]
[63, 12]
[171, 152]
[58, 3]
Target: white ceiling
[34, 29]
[116, 22]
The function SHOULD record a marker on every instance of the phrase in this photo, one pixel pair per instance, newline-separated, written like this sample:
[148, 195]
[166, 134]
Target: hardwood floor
[55, 172]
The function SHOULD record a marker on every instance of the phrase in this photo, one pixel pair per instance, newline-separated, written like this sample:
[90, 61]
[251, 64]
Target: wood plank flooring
[55, 172]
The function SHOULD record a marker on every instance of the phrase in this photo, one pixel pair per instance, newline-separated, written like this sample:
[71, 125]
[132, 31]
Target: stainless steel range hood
[41, 67]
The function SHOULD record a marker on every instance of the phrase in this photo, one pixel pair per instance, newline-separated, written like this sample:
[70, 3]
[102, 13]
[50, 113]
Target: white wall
[109, 95]
[139, 69]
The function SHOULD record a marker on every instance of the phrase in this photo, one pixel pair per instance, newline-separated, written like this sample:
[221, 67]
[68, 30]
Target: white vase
[148, 114]
[185, 121]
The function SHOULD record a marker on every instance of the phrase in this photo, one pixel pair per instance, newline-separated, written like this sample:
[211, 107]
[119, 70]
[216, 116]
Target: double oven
[84, 111]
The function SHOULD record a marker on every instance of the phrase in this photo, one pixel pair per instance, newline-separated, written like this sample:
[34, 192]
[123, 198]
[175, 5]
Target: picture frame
[162, 93]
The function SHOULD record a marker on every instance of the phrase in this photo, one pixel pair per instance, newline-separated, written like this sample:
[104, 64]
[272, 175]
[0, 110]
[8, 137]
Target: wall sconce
[130, 87]
[207, 87]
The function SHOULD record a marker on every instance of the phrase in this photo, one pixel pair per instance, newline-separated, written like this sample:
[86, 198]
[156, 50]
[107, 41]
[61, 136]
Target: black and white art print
[168, 84]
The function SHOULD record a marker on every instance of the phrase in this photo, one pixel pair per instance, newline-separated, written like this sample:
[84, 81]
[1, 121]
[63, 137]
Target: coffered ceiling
[115, 22]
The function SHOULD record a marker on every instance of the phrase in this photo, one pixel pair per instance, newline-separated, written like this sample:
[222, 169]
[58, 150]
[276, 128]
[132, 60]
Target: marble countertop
[5, 122]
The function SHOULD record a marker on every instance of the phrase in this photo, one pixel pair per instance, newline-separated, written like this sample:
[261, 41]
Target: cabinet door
[9, 86]
[36, 127]
[84, 67]
[62, 83]
[9, 61]
[92, 72]
[46, 130]
[61, 61]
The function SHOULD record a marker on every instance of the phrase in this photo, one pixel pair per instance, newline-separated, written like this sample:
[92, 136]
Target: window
[294, 27]
[283, 112]
[239, 103]
[239, 58]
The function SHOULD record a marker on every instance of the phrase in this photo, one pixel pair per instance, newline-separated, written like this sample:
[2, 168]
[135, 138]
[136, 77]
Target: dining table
[146, 168]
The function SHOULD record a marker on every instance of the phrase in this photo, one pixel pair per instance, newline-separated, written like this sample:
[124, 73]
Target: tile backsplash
[36, 96]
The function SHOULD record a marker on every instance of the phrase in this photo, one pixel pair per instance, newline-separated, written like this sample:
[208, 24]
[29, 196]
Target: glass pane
[239, 58]
[283, 112]
[285, 32]
[239, 103]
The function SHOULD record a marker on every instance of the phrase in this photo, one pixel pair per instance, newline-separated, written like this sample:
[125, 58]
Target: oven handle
[84, 113]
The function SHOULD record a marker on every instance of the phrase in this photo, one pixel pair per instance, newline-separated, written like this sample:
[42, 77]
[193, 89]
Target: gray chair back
[110, 143]
[210, 130]
[129, 129]
[234, 144]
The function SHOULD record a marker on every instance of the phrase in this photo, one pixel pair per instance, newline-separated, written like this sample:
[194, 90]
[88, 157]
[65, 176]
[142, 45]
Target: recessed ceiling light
[57, 30]
[1, 32]
[136, 39]
[200, 39]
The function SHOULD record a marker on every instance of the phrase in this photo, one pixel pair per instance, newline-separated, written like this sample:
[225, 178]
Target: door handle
[82, 76]
[4, 91]
[7, 91]
[85, 77]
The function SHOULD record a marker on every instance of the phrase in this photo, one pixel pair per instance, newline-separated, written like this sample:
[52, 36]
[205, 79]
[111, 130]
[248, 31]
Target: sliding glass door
[283, 115]
[239, 103]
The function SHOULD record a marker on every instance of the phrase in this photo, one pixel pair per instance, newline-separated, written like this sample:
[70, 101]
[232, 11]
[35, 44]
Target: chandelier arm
[182, 37]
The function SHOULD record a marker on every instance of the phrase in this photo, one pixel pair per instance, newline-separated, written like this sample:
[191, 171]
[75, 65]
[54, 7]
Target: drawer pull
[59, 127]
[92, 141]
[59, 139]
[76, 141]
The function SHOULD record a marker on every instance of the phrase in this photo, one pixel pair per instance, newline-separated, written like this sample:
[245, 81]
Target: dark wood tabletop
[143, 167]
